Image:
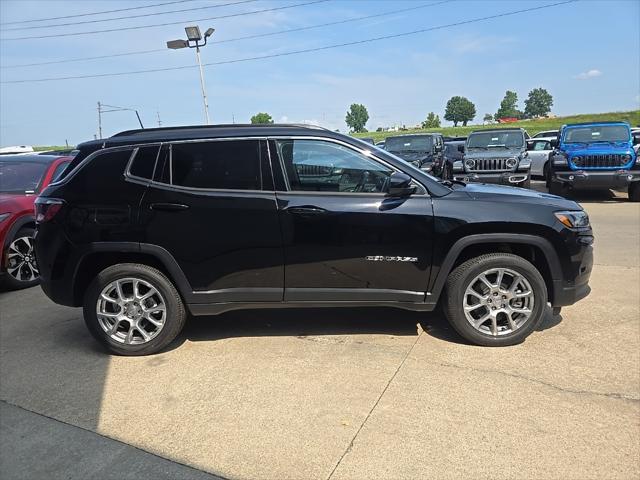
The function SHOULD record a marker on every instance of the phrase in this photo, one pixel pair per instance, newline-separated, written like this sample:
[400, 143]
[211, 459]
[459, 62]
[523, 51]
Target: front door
[212, 207]
[344, 239]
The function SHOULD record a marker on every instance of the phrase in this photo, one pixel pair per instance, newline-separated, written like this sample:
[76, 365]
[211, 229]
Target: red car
[22, 177]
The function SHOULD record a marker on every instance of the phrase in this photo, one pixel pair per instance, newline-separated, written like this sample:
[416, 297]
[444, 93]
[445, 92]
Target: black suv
[423, 150]
[150, 225]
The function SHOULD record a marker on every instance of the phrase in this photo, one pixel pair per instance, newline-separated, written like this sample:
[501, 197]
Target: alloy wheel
[21, 260]
[131, 311]
[498, 302]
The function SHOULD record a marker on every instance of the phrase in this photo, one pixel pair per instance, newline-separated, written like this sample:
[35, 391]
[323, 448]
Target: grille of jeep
[599, 161]
[490, 164]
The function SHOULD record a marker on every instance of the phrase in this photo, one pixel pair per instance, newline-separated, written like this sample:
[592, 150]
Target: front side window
[542, 146]
[321, 166]
[224, 165]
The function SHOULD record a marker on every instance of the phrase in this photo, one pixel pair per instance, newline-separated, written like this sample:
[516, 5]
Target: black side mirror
[554, 143]
[400, 185]
[461, 148]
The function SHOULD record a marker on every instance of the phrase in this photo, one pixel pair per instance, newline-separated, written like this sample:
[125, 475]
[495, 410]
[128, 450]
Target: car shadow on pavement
[306, 322]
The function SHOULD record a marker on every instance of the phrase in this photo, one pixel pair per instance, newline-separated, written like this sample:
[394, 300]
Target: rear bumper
[597, 179]
[503, 178]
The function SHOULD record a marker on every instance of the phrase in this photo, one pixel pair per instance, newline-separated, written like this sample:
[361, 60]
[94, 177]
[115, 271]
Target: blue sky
[587, 54]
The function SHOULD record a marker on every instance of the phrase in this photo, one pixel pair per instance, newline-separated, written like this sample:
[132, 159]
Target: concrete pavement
[307, 394]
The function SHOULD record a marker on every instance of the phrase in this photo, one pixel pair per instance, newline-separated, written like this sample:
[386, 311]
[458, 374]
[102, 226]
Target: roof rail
[221, 125]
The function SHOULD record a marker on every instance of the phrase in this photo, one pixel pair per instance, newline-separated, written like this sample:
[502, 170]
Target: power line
[91, 32]
[96, 13]
[246, 37]
[128, 17]
[296, 52]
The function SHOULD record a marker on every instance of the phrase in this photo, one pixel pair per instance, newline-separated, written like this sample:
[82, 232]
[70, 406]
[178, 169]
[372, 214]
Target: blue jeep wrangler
[595, 156]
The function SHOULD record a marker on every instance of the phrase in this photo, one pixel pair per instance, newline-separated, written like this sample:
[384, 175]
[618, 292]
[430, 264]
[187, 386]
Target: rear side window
[225, 165]
[144, 162]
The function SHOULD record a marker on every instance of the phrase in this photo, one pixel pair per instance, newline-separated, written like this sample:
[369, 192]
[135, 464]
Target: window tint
[144, 162]
[229, 164]
[315, 165]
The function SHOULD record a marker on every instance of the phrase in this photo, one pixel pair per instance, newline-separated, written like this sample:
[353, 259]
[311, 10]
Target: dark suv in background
[423, 150]
[495, 156]
[149, 225]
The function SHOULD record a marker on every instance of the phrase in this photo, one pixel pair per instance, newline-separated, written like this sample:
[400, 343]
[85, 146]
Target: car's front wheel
[496, 299]
[133, 309]
[21, 269]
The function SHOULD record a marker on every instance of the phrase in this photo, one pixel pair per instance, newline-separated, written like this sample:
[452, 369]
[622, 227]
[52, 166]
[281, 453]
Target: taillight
[47, 208]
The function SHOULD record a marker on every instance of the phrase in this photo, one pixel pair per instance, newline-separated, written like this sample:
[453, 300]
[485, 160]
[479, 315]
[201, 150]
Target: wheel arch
[100, 255]
[538, 250]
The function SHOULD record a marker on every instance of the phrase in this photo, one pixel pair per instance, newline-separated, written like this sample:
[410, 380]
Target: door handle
[168, 207]
[306, 211]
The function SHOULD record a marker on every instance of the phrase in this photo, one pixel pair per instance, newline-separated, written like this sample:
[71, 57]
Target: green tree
[538, 103]
[432, 121]
[459, 109]
[488, 118]
[357, 117]
[508, 106]
[261, 118]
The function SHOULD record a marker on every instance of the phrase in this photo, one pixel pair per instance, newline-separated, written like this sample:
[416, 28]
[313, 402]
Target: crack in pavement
[615, 395]
[350, 446]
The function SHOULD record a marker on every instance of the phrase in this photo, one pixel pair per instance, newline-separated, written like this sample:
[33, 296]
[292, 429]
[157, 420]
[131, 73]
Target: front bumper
[501, 178]
[569, 292]
[598, 179]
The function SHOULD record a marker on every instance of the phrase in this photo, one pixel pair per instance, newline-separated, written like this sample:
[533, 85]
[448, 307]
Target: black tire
[634, 192]
[8, 281]
[557, 188]
[175, 311]
[459, 280]
[526, 183]
[547, 175]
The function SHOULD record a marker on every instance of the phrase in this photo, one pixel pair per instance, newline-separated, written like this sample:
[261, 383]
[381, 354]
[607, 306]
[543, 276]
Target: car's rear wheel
[133, 309]
[634, 192]
[496, 299]
[21, 269]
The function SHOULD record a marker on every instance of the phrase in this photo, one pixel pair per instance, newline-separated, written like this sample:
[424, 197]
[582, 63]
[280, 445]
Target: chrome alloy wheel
[21, 260]
[498, 301]
[131, 311]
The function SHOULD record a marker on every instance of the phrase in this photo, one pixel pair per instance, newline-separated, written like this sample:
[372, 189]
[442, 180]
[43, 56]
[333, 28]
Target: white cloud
[589, 74]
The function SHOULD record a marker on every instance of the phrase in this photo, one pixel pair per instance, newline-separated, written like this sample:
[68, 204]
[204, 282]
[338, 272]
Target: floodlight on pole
[193, 41]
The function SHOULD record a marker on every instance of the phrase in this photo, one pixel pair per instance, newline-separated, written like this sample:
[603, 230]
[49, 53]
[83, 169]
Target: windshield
[21, 177]
[597, 133]
[408, 144]
[506, 139]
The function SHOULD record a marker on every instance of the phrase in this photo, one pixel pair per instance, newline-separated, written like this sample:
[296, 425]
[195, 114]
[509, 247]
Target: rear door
[344, 239]
[213, 208]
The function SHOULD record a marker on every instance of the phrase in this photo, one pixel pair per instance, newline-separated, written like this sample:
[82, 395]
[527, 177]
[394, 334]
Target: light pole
[193, 41]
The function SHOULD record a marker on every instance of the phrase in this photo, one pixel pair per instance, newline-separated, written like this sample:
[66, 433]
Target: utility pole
[99, 121]
[159, 121]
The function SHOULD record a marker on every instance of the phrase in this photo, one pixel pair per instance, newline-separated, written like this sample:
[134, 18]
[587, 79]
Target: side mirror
[461, 148]
[554, 143]
[400, 185]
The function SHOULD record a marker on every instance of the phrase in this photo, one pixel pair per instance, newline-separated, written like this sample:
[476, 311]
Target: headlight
[573, 218]
[511, 162]
[559, 160]
[4, 216]
[470, 163]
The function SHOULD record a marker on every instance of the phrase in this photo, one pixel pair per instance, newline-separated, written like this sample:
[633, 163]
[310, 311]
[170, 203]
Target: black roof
[194, 132]
[480, 130]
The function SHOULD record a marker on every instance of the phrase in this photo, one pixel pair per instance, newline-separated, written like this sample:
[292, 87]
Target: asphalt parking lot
[319, 394]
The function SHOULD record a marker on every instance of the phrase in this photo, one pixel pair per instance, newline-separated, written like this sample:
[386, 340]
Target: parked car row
[578, 156]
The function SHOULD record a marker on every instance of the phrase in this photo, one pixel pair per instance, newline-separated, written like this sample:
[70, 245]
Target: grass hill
[531, 126]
